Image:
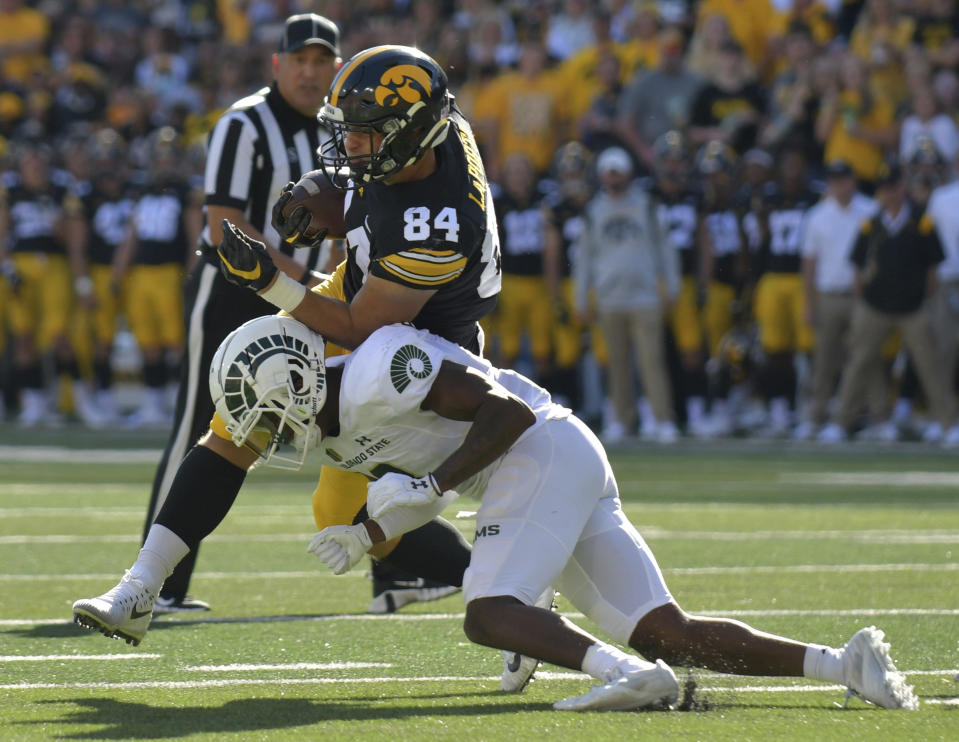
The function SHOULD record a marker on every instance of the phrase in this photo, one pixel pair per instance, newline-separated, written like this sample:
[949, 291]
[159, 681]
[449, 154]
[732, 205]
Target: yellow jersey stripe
[424, 268]
[348, 70]
[424, 274]
[432, 256]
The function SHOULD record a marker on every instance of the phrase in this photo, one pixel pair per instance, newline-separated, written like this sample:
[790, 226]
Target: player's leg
[531, 517]
[200, 496]
[641, 612]
[213, 308]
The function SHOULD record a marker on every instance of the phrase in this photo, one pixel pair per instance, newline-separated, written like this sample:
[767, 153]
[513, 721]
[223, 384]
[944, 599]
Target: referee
[261, 142]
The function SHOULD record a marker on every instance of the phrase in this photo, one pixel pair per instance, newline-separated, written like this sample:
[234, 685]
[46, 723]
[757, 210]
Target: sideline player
[421, 241]
[421, 416]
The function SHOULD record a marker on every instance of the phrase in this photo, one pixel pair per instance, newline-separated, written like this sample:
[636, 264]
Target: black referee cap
[310, 28]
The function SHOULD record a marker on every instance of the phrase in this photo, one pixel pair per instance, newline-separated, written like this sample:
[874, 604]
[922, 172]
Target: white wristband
[398, 521]
[284, 293]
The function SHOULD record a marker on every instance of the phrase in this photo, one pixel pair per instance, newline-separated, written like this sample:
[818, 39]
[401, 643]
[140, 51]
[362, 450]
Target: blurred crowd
[674, 182]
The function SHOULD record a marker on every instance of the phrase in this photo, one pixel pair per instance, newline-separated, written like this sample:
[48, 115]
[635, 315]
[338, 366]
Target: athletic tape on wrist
[285, 293]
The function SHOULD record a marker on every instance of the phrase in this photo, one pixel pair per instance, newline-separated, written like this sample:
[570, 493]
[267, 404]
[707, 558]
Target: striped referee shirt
[259, 145]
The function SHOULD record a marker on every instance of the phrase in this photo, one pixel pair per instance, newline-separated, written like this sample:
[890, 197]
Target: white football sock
[606, 663]
[823, 663]
[161, 552]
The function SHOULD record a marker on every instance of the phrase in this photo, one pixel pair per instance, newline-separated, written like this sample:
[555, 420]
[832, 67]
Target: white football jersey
[383, 429]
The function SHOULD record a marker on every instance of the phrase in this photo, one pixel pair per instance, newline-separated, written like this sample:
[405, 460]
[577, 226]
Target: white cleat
[646, 687]
[121, 613]
[518, 669]
[869, 672]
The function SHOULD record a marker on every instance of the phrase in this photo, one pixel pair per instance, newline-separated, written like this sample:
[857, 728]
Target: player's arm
[499, 419]
[378, 303]
[398, 503]
[240, 456]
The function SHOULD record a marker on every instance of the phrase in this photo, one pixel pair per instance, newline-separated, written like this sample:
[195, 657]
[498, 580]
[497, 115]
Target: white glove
[341, 547]
[399, 490]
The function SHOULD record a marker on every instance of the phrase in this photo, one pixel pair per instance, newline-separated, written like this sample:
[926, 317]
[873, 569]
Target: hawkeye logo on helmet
[397, 83]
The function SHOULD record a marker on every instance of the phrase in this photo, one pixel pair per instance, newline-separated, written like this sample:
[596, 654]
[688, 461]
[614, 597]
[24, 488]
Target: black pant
[213, 309]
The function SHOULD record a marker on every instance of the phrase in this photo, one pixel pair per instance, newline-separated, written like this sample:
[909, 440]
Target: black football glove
[292, 229]
[243, 260]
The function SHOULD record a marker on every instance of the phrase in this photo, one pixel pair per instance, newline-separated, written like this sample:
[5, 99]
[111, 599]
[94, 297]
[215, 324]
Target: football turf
[800, 541]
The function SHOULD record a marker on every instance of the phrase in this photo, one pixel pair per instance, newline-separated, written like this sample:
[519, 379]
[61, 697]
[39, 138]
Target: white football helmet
[268, 382]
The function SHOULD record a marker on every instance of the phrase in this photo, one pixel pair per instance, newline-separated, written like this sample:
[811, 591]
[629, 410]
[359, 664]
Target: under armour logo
[363, 440]
[419, 483]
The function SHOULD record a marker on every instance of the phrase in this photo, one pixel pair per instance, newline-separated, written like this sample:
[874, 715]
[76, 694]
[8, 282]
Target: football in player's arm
[426, 420]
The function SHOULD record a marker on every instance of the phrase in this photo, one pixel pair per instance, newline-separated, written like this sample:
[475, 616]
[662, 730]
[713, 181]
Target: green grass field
[799, 541]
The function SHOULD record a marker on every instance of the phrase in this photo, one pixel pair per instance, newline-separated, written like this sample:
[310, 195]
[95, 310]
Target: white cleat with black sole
[124, 612]
[518, 669]
[869, 673]
[650, 686]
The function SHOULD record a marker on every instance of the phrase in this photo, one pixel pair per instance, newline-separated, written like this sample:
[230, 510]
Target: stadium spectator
[925, 119]
[24, 33]
[522, 110]
[896, 256]
[880, 39]
[854, 124]
[730, 107]
[657, 100]
[570, 30]
[627, 279]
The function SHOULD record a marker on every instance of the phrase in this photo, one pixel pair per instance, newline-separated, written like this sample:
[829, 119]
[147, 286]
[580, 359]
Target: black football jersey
[438, 233]
[34, 215]
[781, 250]
[109, 218]
[679, 217]
[570, 220]
[522, 230]
[158, 224]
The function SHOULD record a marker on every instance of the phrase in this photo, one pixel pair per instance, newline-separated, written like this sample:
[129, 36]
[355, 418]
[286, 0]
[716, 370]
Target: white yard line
[63, 455]
[733, 613]
[873, 478]
[732, 570]
[62, 657]
[240, 667]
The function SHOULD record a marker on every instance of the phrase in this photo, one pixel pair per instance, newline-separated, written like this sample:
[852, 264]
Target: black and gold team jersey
[570, 221]
[724, 227]
[522, 234]
[108, 215]
[437, 233]
[34, 215]
[158, 223]
[783, 217]
[679, 215]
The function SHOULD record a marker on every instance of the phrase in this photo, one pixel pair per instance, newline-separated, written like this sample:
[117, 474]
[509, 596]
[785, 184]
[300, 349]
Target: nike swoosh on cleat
[140, 614]
[514, 664]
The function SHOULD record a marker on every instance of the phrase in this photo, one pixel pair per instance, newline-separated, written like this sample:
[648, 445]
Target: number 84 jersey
[436, 234]
[382, 427]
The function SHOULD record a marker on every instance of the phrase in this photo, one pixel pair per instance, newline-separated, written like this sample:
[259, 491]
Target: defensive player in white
[426, 421]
